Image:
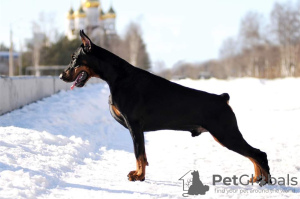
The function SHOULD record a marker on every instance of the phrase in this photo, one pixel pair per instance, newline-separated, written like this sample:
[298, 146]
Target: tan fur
[79, 69]
[88, 70]
[258, 171]
[218, 141]
[116, 111]
[140, 172]
[229, 105]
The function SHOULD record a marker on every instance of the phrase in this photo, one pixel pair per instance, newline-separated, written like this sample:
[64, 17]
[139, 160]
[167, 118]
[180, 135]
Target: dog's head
[82, 65]
[195, 174]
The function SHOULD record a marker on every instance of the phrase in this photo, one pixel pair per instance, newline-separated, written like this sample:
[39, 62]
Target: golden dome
[91, 3]
[70, 14]
[80, 13]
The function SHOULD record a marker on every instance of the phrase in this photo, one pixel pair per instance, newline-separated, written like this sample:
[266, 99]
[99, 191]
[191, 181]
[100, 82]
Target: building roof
[111, 10]
[102, 12]
[91, 3]
[80, 13]
[70, 14]
[109, 15]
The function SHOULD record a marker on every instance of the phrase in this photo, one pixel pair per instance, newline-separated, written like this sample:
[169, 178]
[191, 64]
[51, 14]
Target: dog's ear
[86, 41]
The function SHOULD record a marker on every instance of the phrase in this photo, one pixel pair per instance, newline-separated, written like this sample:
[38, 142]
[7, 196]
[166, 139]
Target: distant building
[91, 18]
[4, 62]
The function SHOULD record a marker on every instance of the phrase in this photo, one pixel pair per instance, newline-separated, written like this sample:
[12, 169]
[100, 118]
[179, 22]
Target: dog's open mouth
[80, 80]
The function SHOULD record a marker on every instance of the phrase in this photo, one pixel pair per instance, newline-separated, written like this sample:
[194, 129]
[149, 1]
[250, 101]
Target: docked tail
[226, 97]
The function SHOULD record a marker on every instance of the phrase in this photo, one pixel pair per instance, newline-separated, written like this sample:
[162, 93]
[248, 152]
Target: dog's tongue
[73, 85]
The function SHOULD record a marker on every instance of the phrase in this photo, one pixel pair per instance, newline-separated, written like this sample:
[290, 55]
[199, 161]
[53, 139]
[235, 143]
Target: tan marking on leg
[258, 171]
[147, 163]
[140, 172]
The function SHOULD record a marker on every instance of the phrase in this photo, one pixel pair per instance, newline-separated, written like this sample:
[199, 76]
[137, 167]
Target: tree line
[261, 49]
[40, 51]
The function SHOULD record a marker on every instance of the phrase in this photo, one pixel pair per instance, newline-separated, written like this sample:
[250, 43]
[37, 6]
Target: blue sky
[190, 30]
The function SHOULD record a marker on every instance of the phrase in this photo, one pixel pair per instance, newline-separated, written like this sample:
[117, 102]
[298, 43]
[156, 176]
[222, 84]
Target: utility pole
[11, 56]
[20, 59]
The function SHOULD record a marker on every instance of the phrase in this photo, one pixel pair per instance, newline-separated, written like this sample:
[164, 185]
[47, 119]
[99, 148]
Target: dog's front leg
[139, 150]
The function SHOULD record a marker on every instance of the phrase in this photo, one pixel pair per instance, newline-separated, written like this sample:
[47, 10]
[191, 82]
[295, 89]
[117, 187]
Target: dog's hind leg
[228, 135]
[139, 150]
[234, 141]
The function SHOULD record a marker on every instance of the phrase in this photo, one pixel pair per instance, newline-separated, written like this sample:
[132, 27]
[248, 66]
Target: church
[92, 19]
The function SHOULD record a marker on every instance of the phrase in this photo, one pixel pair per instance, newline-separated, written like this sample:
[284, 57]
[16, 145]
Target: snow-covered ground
[68, 146]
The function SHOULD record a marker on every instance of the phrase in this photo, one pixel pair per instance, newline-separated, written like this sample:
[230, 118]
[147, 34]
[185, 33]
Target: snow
[69, 146]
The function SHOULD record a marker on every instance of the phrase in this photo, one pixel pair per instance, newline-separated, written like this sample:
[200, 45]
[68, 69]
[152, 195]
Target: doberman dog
[142, 101]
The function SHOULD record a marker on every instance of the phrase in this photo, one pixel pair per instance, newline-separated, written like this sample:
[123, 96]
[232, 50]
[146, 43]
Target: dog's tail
[226, 97]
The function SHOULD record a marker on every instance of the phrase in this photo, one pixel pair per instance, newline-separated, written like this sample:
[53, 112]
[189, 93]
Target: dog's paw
[134, 176]
[131, 173]
[255, 179]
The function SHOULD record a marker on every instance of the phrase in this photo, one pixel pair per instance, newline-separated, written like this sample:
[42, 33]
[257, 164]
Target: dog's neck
[110, 67]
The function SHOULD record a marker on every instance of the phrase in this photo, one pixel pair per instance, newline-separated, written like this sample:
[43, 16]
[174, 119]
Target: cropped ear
[86, 41]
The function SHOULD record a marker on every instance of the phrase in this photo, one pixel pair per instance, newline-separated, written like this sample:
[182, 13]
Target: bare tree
[37, 45]
[285, 23]
[251, 40]
[136, 48]
[250, 30]
[228, 51]
[133, 37]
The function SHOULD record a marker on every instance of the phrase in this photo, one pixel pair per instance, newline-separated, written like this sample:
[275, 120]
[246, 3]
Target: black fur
[148, 103]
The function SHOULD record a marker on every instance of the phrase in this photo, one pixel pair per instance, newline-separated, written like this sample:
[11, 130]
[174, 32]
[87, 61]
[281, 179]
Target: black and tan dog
[141, 102]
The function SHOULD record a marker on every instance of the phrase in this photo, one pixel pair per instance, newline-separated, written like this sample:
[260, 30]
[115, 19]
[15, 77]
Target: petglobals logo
[261, 180]
[193, 185]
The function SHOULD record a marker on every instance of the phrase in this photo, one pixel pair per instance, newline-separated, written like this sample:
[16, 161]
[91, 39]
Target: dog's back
[166, 105]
